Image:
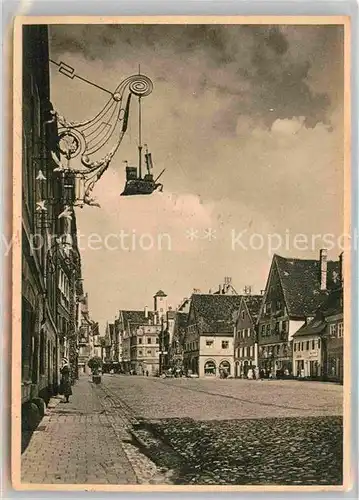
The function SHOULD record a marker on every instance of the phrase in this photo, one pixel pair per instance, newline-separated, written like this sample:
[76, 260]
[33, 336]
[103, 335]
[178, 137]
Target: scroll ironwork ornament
[86, 148]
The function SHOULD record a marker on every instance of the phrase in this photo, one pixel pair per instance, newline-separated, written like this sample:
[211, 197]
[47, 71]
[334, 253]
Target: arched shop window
[210, 368]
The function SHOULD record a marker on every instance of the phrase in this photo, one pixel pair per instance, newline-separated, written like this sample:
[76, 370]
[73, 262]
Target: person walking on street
[256, 373]
[66, 381]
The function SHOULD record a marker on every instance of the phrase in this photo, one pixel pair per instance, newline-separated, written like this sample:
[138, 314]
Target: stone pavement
[84, 442]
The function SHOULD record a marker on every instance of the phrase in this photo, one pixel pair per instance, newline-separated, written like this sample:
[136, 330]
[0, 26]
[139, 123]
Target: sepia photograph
[181, 254]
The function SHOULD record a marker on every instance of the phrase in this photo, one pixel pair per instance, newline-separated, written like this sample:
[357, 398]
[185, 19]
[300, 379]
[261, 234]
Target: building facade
[245, 334]
[51, 263]
[308, 350]
[318, 346]
[209, 338]
[177, 345]
[294, 291]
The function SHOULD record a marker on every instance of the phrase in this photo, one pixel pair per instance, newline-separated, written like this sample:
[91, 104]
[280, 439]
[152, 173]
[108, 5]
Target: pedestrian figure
[147, 373]
[66, 381]
[256, 373]
[250, 374]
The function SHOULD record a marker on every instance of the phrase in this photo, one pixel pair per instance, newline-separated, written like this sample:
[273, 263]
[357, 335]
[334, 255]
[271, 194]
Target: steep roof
[300, 279]
[332, 305]
[253, 303]
[314, 327]
[181, 319]
[214, 313]
[160, 293]
[136, 317]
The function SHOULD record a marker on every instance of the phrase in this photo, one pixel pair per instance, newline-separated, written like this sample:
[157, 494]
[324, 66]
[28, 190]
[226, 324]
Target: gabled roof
[315, 327]
[160, 293]
[214, 313]
[136, 317]
[300, 279]
[253, 303]
[180, 322]
[331, 306]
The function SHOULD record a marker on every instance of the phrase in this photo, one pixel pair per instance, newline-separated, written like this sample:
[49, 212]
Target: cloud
[259, 68]
[247, 121]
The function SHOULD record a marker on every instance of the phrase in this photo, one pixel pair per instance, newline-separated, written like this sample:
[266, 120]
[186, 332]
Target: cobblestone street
[144, 430]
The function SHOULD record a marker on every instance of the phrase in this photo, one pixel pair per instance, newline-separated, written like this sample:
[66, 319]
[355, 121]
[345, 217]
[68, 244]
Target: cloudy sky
[247, 121]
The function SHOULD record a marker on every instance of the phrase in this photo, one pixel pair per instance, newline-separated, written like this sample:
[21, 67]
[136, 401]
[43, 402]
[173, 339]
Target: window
[242, 314]
[209, 343]
[149, 340]
[263, 327]
[333, 330]
[295, 346]
[313, 344]
[140, 352]
[307, 345]
[340, 330]
[210, 368]
[302, 346]
[268, 329]
[241, 352]
[157, 340]
[277, 349]
[140, 341]
[279, 305]
[318, 343]
[225, 367]
[248, 332]
[225, 344]
[284, 326]
[149, 351]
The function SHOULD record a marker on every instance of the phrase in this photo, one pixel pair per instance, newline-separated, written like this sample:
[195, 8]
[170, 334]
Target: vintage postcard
[181, 245]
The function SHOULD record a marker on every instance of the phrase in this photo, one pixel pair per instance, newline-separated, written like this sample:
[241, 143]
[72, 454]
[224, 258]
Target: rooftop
[300, 280]
[214, 312]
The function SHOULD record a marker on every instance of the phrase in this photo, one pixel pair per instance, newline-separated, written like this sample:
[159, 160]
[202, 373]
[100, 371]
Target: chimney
[219, 288]
[323, 268]
[146, 312]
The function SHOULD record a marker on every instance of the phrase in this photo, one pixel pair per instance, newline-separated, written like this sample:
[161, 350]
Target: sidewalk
[78, 443]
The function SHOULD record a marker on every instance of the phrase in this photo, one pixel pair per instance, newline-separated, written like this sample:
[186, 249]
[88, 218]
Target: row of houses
[53, 304]
[131, 342]
[294, 327]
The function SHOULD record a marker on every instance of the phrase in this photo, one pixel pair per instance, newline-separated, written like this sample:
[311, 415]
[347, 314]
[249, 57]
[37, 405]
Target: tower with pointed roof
[160, 304]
